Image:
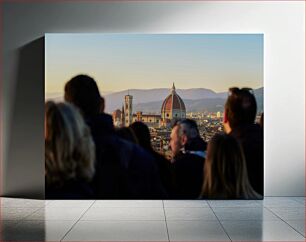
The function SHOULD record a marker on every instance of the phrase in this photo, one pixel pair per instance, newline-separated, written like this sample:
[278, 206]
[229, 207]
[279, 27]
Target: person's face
[226, 125]
[175, 141]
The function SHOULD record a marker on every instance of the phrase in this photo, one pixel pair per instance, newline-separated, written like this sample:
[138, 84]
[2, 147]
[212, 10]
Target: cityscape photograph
[159, 78]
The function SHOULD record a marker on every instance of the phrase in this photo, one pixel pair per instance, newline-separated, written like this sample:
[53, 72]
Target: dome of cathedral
[173, 106]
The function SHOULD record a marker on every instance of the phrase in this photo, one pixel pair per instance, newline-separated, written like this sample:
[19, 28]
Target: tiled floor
[274, 219]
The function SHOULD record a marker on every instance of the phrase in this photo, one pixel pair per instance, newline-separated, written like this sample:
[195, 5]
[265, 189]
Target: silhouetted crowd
[87, 158]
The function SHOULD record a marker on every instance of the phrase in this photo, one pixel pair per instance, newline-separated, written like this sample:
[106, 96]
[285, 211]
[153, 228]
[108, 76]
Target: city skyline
[149, 61]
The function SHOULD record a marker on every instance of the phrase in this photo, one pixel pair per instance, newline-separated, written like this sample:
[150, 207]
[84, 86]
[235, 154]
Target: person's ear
[226, 125]
[184, 139]
[225, 120]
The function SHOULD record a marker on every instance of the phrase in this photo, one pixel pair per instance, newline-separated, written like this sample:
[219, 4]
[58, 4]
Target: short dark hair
[83, 92]
[240, 107]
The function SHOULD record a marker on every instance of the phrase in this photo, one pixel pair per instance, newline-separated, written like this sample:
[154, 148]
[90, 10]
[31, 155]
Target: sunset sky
[144, 61]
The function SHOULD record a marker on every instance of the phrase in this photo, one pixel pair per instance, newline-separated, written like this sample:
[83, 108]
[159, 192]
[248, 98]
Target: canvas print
[154, 116]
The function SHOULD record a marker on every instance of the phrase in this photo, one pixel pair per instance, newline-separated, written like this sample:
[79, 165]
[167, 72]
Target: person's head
[240, 108]
[183, 131]
[69, 149]
[225, 173]
[127, 134]
[83, 92]
[142, 133]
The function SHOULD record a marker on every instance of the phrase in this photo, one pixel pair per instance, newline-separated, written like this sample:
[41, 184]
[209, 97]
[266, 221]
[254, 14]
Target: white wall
[283, 25]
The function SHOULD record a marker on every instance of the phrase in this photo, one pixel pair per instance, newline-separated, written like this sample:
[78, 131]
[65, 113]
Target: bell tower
[128, 110]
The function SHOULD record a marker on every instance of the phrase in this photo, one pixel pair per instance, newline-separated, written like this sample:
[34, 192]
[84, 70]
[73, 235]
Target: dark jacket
[164, 170]
[72, 189]
[251, 139]
[123, 170]
[188, 170]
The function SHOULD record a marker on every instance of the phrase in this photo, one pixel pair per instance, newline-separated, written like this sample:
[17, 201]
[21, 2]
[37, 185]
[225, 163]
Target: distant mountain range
[150, 100]
[195, 99]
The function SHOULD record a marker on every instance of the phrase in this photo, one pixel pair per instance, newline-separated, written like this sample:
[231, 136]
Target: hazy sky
[144, 61]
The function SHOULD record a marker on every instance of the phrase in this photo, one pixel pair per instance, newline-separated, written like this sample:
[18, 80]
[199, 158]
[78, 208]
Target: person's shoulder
[254, 131]
[178, 157]
[137, 154]
[196, 144]
[255, 127]
[72, 189]
[246, 130]
[182, 158]
[142, 153]
[158, 155]
[189, 163]
[101, 124]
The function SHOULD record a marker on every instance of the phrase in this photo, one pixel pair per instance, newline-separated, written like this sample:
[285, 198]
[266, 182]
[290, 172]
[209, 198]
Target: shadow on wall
[31, 230]
[25, 155]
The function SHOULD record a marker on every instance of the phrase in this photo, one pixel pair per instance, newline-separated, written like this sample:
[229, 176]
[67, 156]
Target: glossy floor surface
[273, 219]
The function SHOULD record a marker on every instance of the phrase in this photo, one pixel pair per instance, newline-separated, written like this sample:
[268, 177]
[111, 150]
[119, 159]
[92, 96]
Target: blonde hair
[69, 148]
[225, 173]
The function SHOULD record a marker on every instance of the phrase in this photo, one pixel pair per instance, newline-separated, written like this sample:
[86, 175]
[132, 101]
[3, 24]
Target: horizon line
[146, 89]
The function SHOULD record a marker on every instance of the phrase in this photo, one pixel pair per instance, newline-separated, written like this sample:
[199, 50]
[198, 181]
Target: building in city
[152, 120]
[117, 118]
[172, 108]
[128, 110]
